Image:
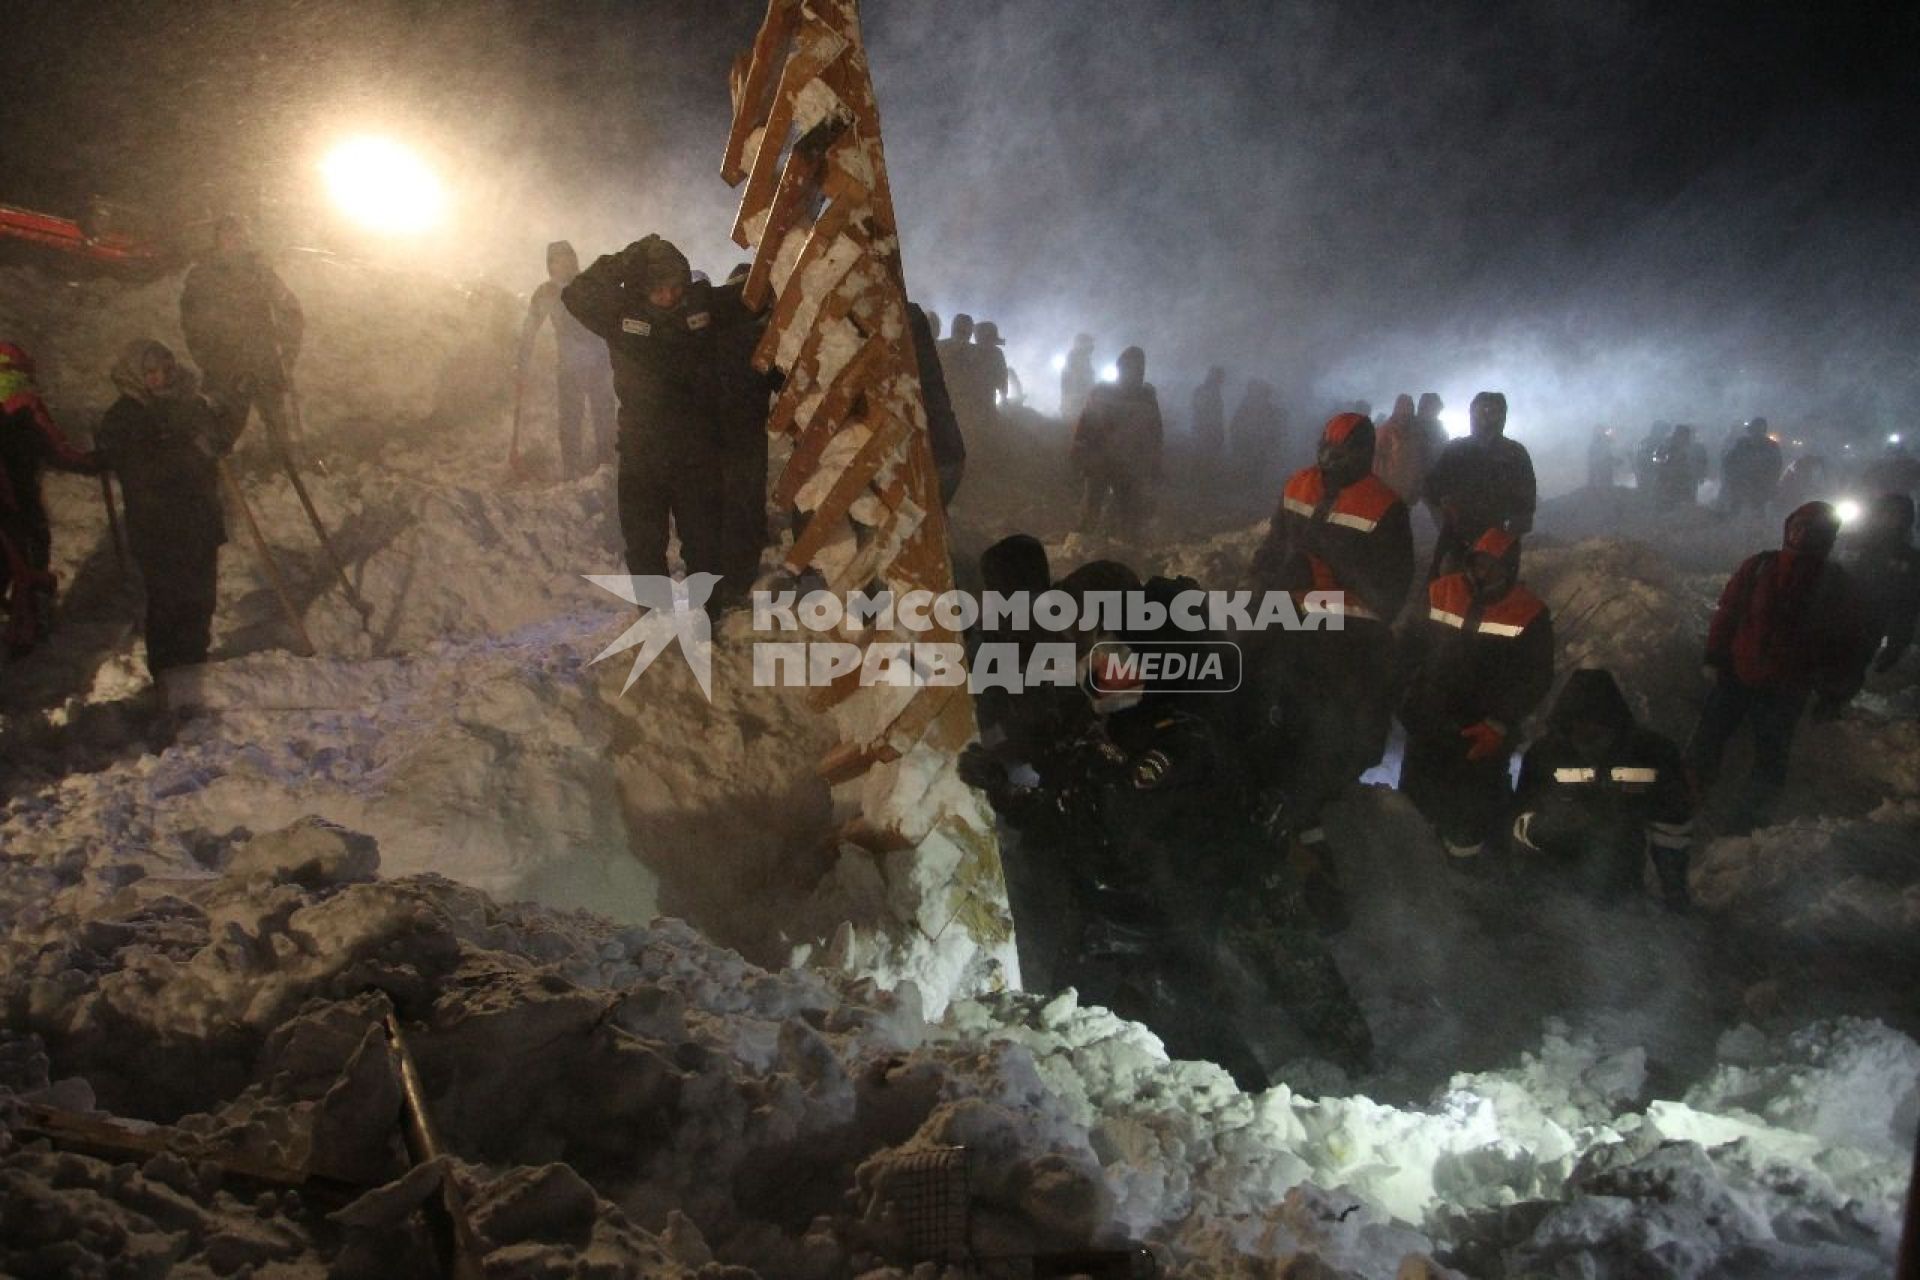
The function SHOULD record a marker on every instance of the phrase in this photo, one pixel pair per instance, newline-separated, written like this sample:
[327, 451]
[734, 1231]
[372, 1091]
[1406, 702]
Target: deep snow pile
[168, 957]
[628, 1097]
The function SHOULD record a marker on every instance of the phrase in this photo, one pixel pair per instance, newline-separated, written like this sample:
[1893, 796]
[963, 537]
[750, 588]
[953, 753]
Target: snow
[670, 1023]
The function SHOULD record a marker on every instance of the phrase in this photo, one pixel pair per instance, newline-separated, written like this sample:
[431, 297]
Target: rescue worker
[165, 441]
[243, 328]
[30, 442]
[657, 322]
[1477, 665]
[1679, 470]
[1257, 438]
[741, 401]
[1602, 461]
[1116, 449]
[1400, 457]
[1210, 418]
[1751, 469]
[970, 382]
[1482, 482]
[1076, 378]
[1599, 795]
[1182, 924]
[1887, 568]
[1321, 695]
[1646, 458]
[1789, 627]
[583, 382]
[944, 437]
[1001, 381]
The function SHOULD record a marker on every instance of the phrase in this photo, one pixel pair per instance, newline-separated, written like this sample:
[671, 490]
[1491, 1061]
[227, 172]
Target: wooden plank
[750, 107]
[886, 437]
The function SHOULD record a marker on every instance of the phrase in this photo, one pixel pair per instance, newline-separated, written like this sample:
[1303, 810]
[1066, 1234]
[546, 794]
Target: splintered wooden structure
[818, 213]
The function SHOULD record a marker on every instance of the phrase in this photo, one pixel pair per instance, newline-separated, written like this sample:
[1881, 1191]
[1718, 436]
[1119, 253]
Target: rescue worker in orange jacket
[1478, 664]
[30, 442]
[1341, 546]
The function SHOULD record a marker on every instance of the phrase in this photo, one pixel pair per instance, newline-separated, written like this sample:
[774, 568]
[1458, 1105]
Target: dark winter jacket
[1469, 661]
[662, 359]
[1209, 418]
[1752, 468]
[1791, 620]
[1357, 540]
[1635, 786]
[30, 443]
[1119, 432]
[1888, 575]
[166, 452]
[239, 317]
[943, 425]
[1483, 483]
[741, 392]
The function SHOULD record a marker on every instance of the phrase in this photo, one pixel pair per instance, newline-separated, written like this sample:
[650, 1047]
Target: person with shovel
[243, 328]
[165, 440]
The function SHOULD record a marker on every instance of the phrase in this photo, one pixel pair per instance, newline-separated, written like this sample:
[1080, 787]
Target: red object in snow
[109, 250]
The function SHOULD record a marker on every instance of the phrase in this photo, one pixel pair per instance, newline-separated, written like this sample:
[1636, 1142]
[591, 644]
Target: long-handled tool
[113, 522]
[285, 449]
[446, 1214]
[266, 557]
[517, 469]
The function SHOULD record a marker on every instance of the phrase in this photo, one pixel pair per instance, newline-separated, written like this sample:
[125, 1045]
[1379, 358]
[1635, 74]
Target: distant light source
[1060, 363]
[1110, 374]
[1456, 422]
[1894, 438]
[1847, 509]
[383, 186]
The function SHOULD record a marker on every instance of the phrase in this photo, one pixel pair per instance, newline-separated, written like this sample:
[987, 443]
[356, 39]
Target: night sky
[1617, 211]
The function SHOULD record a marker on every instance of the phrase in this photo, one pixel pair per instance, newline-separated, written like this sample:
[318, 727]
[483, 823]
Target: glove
[1484, 740]
[977, 768]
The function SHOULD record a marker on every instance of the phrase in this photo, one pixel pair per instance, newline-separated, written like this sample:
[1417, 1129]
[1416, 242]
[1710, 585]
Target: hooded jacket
[1482, 483]
[1405, 453]
[239, 317]
[1635, 783]
[578, 348]
[166, 448]
[1472, 660]
[1791, 619]
[1119, 432]
[1357, 540]
[30, 442]
[663, 358]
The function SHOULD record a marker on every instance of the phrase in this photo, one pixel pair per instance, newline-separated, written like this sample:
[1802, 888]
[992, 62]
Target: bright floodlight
[383, 186]
[1847, 509]
[1059, 364]
[1894, 438]
[1456, 422]
[1110, 374]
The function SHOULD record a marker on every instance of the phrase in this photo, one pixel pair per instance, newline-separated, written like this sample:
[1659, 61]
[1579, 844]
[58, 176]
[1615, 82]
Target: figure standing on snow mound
[1076, 378]
[1598, 794]
[1482, 482]
[1321, 697]
[1679, 469]
[1116, 449]
[1401, 459]
[1257, 437]
[657, 322]
[944, 437]
[30, 442]
[165, 441]
[1002, 383]
[967, 370]
[1184, 925]
[1477, 666]
[1646, 456]
[583, 383]
[1210, 418]
[1789, 626]
[1751, 470]
[1887, 568]
[1602, 461]
[243, 328]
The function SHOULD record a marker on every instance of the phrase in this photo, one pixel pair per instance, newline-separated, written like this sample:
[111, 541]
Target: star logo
[675, 610]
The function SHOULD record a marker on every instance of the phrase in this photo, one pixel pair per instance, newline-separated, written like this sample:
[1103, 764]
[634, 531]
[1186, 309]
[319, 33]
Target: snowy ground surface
[204, 914]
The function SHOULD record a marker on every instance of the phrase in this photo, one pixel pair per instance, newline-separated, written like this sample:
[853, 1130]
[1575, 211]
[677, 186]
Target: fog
[1614, 212]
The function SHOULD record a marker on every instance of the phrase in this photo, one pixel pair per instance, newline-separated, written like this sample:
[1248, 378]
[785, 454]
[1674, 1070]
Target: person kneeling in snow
[1789, 625]
[1479, 665]
[1184, 922]
[1598, 793]
[165, 440]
